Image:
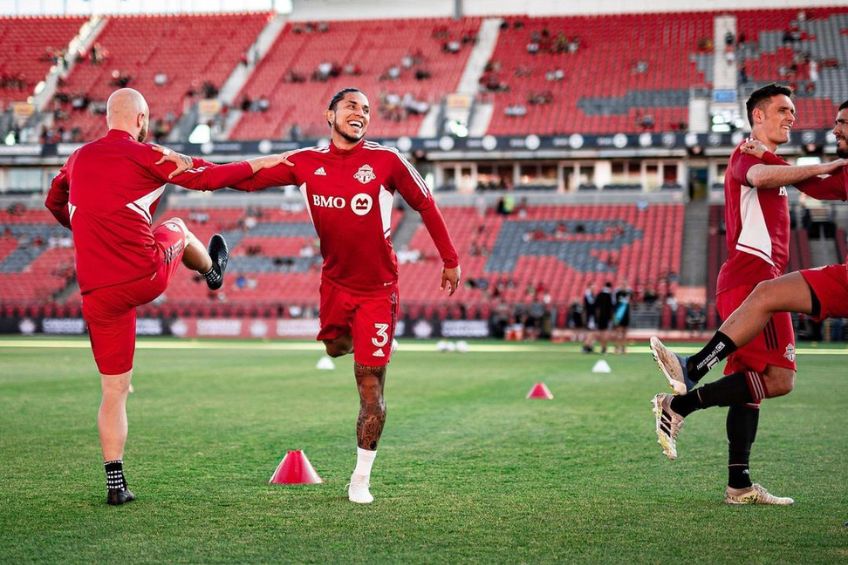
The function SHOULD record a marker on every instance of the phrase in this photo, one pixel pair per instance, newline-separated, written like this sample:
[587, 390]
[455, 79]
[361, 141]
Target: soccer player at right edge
[758, 337]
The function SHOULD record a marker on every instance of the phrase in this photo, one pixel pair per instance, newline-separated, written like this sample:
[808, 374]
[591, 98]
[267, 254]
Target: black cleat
[115, 497]
[220, 254]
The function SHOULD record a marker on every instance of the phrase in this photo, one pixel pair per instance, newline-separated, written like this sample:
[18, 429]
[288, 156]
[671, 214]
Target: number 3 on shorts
[382, 335]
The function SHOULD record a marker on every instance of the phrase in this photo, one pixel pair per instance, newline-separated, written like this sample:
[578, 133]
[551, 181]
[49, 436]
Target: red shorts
[830, 284]
[369, 318]
[110, 311]
[775, 345]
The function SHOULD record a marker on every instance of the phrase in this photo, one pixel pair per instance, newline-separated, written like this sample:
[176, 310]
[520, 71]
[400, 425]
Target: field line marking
[315, 346]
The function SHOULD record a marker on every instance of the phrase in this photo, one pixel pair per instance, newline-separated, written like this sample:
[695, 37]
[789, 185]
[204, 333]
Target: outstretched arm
[413, 189]
[198, 174]
[833, 187]
[775, 176]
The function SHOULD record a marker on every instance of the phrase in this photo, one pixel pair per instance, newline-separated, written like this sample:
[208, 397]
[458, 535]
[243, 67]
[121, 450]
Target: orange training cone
[295, 469]
[540, 392]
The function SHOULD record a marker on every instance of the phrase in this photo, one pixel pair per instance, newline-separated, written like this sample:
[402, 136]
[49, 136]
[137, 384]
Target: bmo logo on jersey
[328, 201]
[361, 204]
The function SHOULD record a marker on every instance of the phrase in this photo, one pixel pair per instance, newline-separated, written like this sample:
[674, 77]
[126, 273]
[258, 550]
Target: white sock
[364, 461]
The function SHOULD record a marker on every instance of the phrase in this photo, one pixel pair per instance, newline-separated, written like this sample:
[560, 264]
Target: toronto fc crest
[365, 174]
[790, 353]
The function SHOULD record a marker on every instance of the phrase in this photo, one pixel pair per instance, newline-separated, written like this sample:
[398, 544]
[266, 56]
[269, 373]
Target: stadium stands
[36, 257]
[371, 48]
[187, 50]
[556, 249]
[633, 72]
[30, 46]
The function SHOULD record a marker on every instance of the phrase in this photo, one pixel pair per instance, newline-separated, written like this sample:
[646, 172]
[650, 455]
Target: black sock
[115, 475]
[686, 404]
[718, 348]
[732, 389]
[742, 424]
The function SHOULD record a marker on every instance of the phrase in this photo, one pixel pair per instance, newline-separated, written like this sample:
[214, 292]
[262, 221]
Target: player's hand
[753, 147]
[271, 161]
[278, 159]
[183, 162]
[450, 279]
[833, 166]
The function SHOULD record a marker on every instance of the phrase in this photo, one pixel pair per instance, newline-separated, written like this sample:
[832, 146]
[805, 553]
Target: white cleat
[754, 495]
[357, 490]
[669, 424]
[673, 367]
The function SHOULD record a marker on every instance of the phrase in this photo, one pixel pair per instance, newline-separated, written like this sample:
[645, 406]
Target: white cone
[601, 367]
[325, 363]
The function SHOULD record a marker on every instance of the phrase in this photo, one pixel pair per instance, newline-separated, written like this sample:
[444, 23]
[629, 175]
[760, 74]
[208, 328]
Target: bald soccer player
[107, 194]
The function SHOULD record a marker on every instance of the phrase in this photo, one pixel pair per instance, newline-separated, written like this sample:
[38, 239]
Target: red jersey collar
[119, 134]
[345, 152]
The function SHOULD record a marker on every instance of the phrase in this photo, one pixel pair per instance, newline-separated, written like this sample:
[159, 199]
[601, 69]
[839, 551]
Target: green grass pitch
[468, 470]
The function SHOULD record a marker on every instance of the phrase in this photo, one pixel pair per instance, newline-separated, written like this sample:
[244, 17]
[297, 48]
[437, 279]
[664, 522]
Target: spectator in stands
[451, 46]
[293, 76]
[121, 261]
[540, 98]
[352, 69]
[80, 102]
[160, 79]
[555, 75]
[391, 73]
[209, 90]
[560, 44]
[422, 74]
[295, 133]
[120, 79]
[98, 54]
[414, 106]
[262, 103]
[506, 205]
[640, 67]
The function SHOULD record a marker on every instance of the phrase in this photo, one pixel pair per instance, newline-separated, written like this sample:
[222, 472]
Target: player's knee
[763, 295]
[116, 385]
[779, 383]
[338, 347]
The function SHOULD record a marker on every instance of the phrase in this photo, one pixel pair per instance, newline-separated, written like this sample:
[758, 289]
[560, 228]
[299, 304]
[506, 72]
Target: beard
[347, 136]
[842, 149]
[142, 135]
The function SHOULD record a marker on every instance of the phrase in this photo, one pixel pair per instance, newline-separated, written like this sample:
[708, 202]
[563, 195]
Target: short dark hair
[762, 95]
[339, 96]
[843, 106]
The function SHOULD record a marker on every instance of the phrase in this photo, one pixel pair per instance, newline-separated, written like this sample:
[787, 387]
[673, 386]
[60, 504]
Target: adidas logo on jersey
[379, 353]
[320, 172]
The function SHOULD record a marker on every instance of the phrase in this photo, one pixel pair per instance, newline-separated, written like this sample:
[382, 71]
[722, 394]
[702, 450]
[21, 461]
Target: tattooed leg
[372, 406]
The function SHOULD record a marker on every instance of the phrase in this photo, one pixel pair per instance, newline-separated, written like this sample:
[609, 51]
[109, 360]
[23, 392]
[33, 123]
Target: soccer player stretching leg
[757, 219]
[349, 187]
[106, 194]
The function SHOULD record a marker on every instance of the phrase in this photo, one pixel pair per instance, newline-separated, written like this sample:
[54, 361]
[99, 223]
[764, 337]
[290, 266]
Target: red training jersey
[107, 193]
[757, 220]
[349, 195]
